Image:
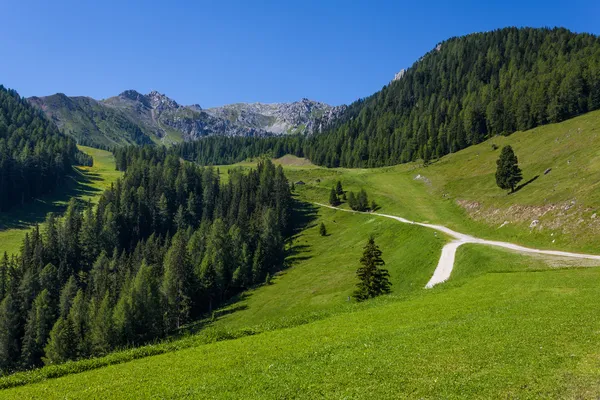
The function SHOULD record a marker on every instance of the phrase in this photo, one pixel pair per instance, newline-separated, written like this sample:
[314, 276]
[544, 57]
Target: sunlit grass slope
[556, 208]
[526, 332]
[85, 183]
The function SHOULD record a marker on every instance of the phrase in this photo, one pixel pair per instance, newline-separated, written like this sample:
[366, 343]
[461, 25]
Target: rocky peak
[134, 95]
[399, 75]
[160, 101]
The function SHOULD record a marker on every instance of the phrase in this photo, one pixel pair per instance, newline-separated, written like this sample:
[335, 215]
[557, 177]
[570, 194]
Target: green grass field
[512, 333]
[505, 325]
[85, 183]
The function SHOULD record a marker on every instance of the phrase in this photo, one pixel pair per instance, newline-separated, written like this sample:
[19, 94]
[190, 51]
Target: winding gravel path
[446, 263]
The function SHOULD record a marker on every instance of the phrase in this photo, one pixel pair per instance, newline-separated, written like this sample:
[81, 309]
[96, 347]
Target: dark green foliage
[62, 344]
[165, 245]
[508, 173]
[333, 198]
[463, 92]
[10, 329]
[37, 329]
[322, 229]
[34, 156]
[339, 190]
[358, 202]
[373, 280]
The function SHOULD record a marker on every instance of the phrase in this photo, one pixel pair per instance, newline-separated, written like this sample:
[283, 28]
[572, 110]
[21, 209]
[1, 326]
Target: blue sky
[213, 53]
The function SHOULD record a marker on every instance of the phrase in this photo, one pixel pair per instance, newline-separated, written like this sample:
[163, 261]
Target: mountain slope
[135, 118]
[91, 122]
[464, 91]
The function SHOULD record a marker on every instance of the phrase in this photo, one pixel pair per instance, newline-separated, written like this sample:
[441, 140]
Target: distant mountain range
[135, 118]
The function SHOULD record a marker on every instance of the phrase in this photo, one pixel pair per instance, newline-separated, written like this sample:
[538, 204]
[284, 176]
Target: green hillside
[84, 183]
[93, 123]
[504, 325]
[460, 190]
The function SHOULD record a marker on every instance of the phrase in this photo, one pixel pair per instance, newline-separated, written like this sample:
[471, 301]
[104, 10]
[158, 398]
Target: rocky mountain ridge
[132, 117]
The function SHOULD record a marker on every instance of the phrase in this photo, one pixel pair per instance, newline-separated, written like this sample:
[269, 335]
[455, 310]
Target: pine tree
[176, 281]
[62, 344]
[4, 274]
[88, 238]
[37, 330]
[362, 201]
[373, 280]
[322, 229]
[146, 315]
[338, 188]
[101, 326]
[352, 201]
[79, 314]
[10, 330]
[333, 198]
[67, 294]
[508, 173]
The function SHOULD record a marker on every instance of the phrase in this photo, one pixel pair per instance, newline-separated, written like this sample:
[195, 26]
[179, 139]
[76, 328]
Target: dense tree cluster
[461, 93]
[164, 245]
[34, 156]
[466, 90]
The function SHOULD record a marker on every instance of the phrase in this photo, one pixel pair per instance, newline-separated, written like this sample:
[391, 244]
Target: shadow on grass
[303, 216]
[78, 184]
[522, 185]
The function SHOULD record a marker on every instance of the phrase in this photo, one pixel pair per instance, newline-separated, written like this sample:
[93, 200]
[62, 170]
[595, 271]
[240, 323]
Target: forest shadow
[77, 185]
[303, 217]
[522, 185]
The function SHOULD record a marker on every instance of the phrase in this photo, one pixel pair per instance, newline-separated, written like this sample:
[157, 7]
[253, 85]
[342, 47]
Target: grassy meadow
[85, 183]
[505, 325]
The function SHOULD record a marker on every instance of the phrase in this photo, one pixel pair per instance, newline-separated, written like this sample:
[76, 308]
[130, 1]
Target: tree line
[165, 244]
[464, 91]
[34, 155]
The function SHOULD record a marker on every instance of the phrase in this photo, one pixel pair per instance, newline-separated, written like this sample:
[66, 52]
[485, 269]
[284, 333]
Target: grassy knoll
[85, 183]
[513, 333]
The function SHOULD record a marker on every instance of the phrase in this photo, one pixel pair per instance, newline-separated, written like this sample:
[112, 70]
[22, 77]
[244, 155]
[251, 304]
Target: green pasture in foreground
[521, 330]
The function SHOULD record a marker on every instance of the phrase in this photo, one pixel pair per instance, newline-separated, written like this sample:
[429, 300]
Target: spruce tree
[352, 201]
[333, 198]
[101, 326]
[176, 281]
[10, 330]
[339, 190]
[37, 330]
[79, 314]
[362, 201]
[322, 229]
[373, 280]
[508, 173]
[62, 344]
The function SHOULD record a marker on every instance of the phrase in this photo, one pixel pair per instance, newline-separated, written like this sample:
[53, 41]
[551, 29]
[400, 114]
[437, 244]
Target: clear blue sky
[220, 52]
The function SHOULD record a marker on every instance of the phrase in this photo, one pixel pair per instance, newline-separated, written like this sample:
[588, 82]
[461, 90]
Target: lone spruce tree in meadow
[508, 173]
[373, 280]
[333, 198]
[322, 229]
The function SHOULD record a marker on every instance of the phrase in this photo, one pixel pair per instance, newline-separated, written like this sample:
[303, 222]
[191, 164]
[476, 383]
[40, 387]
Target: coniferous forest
[34, 156]
[166, 244]
[462, 92]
